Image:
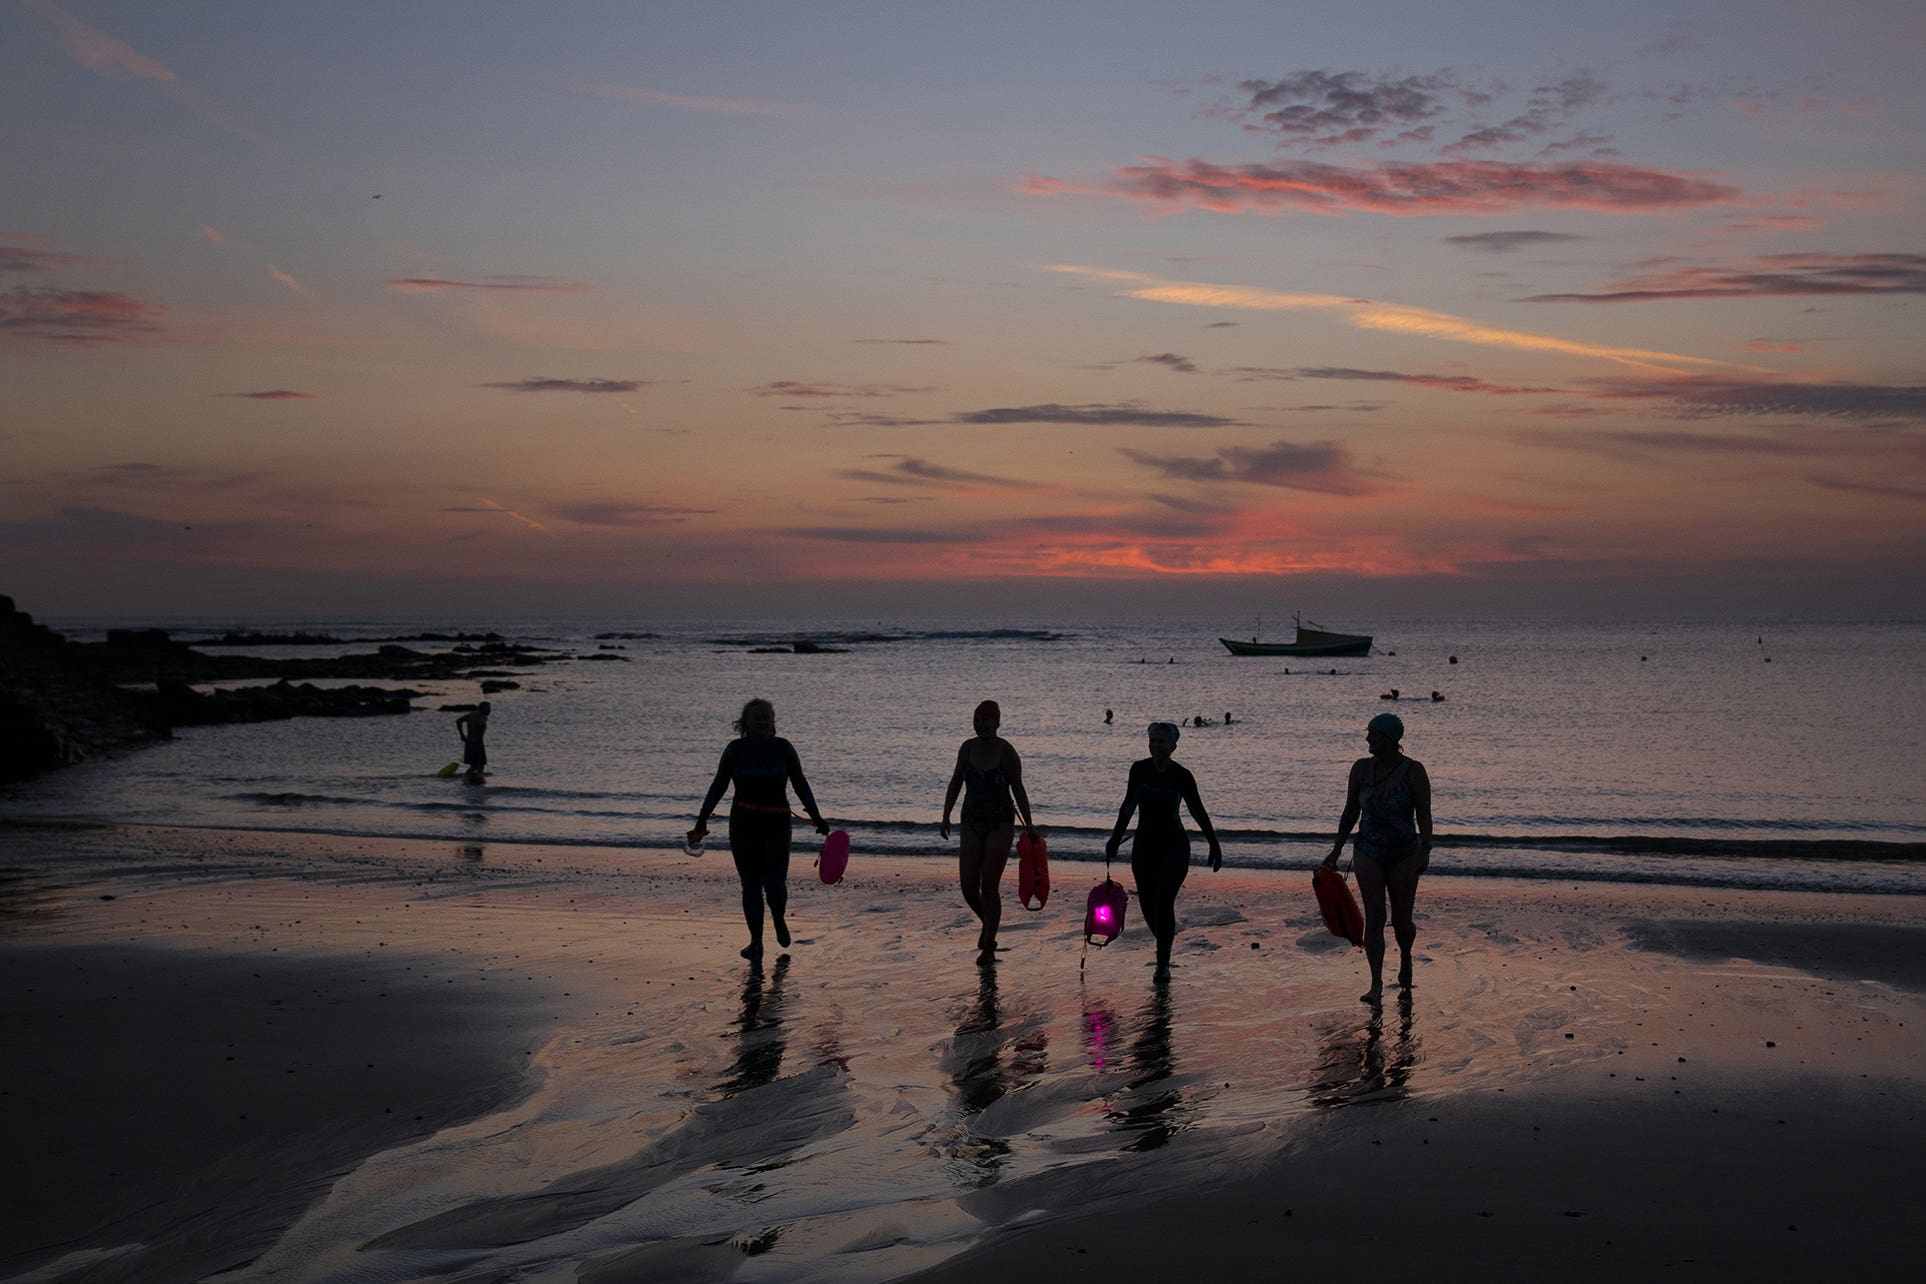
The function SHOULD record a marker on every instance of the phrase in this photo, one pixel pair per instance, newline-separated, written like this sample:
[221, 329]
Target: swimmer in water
[473, 729]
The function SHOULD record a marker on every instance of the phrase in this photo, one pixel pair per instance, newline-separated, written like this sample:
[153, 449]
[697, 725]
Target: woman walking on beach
[1160, 854]
[1388, 798]
[760, 764]
[990, 777]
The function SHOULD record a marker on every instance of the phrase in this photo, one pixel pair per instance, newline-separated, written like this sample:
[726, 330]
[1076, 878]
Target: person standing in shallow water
[989, 775]
[1160, 854]
[761, 764]
[473, 728]
[1388, 798]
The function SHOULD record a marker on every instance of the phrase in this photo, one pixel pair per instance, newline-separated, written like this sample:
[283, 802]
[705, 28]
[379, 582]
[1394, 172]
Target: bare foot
[1374, 996]
[986, 958]
[753, 950]
[782, 933]
[1404, 980]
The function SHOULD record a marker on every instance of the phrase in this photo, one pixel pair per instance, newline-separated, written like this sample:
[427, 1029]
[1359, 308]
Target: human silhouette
[989, 775]
[1160, 853]
[473, 729]
[1388, 798]
[761, 764]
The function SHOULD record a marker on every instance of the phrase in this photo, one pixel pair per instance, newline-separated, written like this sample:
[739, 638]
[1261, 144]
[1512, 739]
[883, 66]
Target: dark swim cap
[1387, 724]
[988, 709]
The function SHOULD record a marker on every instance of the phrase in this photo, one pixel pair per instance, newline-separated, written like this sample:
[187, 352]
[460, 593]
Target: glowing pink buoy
[1103, 915]
[835, 858]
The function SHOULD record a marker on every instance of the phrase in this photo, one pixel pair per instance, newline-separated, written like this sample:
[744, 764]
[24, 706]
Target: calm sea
[1703, 753]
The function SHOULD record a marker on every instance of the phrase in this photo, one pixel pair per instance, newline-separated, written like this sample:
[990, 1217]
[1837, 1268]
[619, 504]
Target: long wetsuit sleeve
[724, 770]
[1197, 812]
[807, 798]
[1129, 806]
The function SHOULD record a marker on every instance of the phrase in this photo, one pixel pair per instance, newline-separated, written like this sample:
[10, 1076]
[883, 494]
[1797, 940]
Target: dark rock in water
[56, 708]
[493, 685]
[604, 656]
[806, 647]
[255, 637]
[183, 706]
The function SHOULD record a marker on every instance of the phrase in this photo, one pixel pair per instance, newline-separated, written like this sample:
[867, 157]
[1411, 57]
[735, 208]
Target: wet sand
[550, 1063]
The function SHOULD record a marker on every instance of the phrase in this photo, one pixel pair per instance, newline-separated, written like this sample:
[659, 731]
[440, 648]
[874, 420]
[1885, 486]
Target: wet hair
[1389, 725]
[988, 709]
[742, 719]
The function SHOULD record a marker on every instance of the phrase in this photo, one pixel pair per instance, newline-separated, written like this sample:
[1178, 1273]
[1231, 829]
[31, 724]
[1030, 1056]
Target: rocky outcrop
[183, 706]
[56, 707]
[151, 655]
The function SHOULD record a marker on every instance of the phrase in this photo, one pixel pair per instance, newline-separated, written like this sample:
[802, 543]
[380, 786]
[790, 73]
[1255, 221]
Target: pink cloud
[1765, 276]
[97, 51]
[21, 258]
[1449, 187]
[76, 318]
[510, 283]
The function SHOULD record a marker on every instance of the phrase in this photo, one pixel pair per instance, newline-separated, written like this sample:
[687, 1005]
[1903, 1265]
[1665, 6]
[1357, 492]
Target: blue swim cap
[1387, 724]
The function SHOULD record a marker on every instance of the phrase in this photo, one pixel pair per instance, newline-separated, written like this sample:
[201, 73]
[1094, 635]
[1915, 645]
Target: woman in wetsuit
[1388, 798]
[1160, 855]
[760, 763]
[990, 777]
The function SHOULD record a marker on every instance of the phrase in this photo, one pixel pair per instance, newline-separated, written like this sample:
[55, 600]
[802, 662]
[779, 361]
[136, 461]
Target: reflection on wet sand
[985, 1062]
[1355, 1067]
[760, 1041]
[1150, 1109]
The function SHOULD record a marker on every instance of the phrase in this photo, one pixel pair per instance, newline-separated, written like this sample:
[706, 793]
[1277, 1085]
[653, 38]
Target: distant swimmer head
[758, 718]
[1388, 725]
[988, 712]
[1166, 732]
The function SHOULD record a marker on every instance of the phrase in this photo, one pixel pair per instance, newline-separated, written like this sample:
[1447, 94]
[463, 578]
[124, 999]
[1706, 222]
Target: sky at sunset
[723, 308]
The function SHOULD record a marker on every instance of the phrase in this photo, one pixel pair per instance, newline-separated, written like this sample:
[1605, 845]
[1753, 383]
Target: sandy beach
[268, 1056]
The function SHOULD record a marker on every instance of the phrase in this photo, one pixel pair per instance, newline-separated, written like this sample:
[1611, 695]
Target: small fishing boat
[1310, 641]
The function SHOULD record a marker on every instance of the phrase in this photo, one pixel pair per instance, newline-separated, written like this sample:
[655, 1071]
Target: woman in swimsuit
[1160, 854]
[1389, 800]
[990, 777]
[760, 763]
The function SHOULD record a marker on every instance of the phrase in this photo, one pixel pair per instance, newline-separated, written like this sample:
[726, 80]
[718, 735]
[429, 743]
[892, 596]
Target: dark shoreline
[197, 1102]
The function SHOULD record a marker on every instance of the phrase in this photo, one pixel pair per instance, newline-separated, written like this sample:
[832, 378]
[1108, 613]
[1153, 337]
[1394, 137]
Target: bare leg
[981, 858]
[989, 889]
[1371, 892]
[1402, 885]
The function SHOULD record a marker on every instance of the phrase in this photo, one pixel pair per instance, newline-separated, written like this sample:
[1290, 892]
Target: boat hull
[1328, 644]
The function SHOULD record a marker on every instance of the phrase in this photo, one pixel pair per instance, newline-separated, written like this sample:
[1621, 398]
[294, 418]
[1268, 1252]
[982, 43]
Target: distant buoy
[1641, 659]
[1454, 659]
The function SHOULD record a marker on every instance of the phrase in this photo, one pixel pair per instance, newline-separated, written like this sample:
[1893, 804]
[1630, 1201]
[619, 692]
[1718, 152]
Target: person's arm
[1350, 816]
[1198, 814]
[461, 727]
[956, 786]
[724, 770]
[802, 787]
[1013, 772]
[1123, 815]
[1421, 797]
